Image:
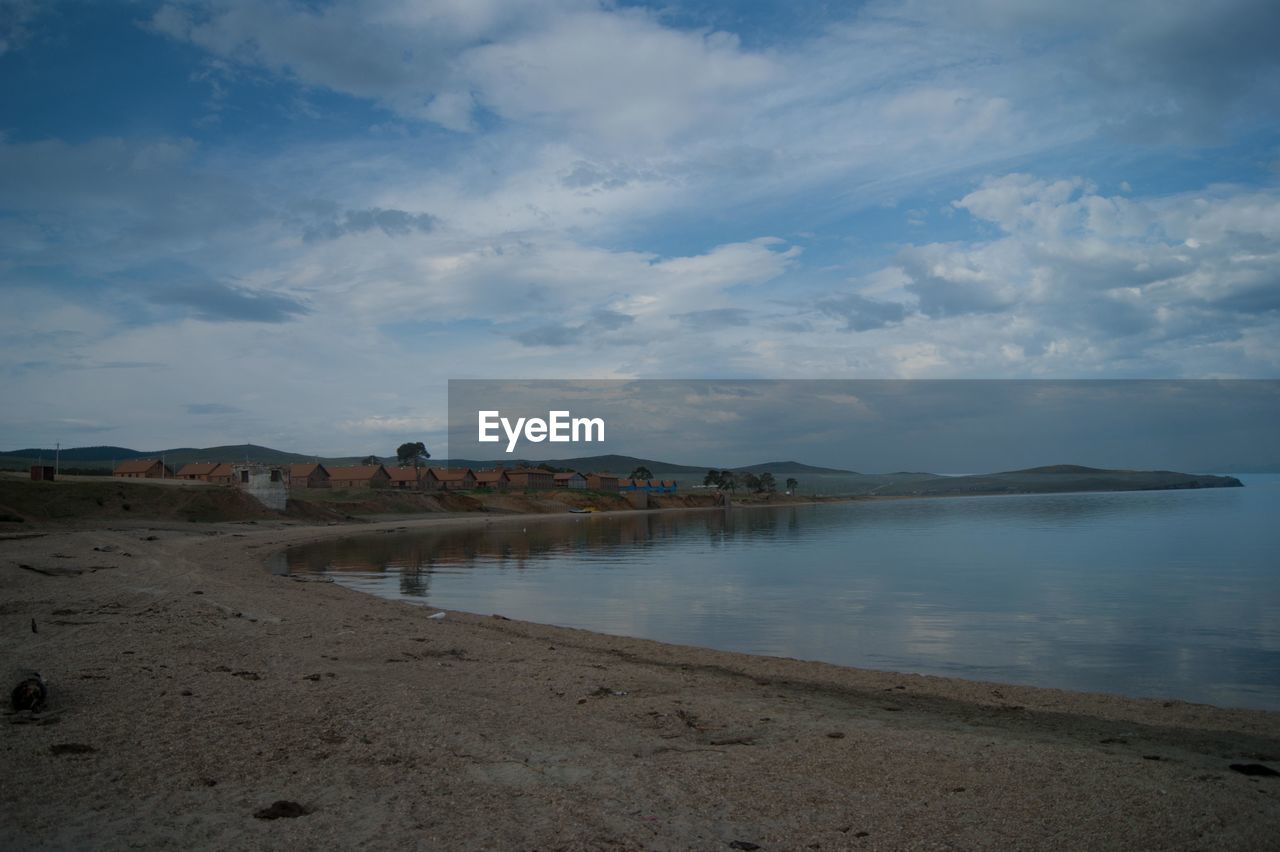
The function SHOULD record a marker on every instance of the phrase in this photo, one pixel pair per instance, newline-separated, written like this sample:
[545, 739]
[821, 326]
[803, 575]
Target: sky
[291, 223]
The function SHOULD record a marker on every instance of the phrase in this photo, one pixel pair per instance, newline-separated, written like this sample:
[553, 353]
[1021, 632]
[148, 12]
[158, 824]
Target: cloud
[209, 408]
[862, 314]
[216, 302]
[1076, 263]
[392, 223]
[15, 23]
[714, 318]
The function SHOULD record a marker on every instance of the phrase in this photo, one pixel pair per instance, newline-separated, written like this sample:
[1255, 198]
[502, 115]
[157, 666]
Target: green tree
[370, 460]
[792, 484]
[729, 481]
[713, 477]
[767, 482]
[414, 452]
[752, 482]
[641, 472]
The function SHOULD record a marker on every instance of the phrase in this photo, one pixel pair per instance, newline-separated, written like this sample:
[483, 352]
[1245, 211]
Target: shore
[191, 689]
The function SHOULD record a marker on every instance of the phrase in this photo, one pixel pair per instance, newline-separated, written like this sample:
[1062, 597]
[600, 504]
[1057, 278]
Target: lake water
[1172, 594]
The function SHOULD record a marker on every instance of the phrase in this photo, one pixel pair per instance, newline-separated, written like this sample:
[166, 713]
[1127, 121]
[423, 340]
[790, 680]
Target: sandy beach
[190, 689]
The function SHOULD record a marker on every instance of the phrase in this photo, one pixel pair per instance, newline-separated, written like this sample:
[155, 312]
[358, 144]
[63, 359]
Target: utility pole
[57, 459]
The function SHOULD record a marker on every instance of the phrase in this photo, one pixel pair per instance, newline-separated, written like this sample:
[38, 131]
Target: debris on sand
[1254, 769]
[29, 694]
[282, 809]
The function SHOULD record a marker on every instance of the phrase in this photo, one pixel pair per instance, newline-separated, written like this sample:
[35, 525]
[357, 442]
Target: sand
[190, 690]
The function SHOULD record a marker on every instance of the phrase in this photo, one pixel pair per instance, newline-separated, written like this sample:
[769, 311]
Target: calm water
[1165, 594]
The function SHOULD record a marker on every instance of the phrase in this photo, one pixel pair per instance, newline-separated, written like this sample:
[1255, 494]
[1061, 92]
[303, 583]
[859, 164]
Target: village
[309, 475]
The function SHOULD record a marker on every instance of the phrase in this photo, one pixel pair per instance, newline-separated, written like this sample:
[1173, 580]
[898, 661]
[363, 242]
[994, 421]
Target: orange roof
[221, 469]
[446, 475]
[568, 475]
[359, 471]
[402, 474]
[136, 465]
[197, 468]
[490, 475]
[302, 470]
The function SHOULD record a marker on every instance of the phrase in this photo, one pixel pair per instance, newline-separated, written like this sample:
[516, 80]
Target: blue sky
[291, 223]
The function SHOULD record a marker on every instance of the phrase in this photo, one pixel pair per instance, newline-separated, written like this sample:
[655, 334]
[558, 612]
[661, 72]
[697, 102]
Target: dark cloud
[393, 223]
[611, 320]
[714, 318]
[862, 314]
[226, 303]
[561, 334]
[550, 335]
[211, 408]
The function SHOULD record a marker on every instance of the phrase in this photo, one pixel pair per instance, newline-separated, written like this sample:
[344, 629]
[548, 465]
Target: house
[41, 472]
[360, 476]
[308, 475]
[461, 479]
[196, 470]
[494, 479]
[405, 478]
[222, 474]
[669, 486]
[531, 479]
[142, 469]
[602, 482]
[571, 479]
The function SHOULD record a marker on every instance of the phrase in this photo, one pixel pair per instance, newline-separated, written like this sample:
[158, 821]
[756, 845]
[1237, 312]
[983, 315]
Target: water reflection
[1161, 593]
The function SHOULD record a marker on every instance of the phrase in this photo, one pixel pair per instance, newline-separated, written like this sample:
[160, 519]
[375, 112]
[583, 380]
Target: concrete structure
[460, 479]
[142, 469]
[571, 479]
[42, 472]
[268, 485]
[360, 476]
[531, 479]
[496, 480]
[308, 475]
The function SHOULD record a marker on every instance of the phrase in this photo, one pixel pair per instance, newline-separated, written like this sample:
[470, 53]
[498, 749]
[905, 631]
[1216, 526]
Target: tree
[713, 477]
[414, 452]
[641, 472]
[767, 482]
[729, 480]
[752, 482]
[370, 460]
[792, 484]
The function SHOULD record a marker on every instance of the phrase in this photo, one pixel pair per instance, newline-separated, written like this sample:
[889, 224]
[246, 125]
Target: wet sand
[191, 689]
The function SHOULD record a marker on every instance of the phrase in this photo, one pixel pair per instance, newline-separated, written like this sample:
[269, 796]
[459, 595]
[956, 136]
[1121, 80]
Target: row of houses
[316, 475]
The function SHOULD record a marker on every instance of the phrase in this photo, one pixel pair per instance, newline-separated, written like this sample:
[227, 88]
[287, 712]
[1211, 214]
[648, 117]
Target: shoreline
[209, 688]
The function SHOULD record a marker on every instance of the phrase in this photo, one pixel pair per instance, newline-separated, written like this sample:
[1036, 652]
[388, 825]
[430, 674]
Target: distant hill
[791, 467]
[77, 454]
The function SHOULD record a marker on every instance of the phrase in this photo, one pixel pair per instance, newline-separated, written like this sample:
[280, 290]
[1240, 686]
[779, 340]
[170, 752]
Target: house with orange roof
[308, 475]
[360, 476]
[494, 479]
[570, 479]
[455, 479]
[142, 469]
[198, 471]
